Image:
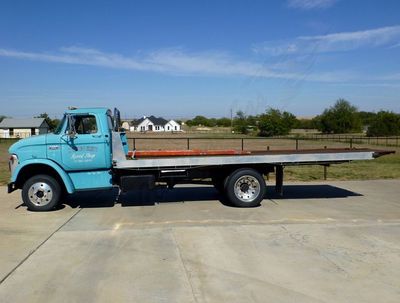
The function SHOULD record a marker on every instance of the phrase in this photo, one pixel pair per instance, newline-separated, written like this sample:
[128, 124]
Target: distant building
[22, 128]
[172, 125]
[125, 125]
[154, 124]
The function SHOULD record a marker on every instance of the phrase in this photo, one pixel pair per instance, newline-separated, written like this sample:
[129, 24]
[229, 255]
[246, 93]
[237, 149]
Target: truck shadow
[108, 198]
[323, 191]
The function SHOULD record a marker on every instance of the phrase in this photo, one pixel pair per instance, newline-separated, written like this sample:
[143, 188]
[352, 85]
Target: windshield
[59, 126]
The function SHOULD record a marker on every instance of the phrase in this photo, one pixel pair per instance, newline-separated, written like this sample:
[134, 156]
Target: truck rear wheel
[41, 193]
[245, 188]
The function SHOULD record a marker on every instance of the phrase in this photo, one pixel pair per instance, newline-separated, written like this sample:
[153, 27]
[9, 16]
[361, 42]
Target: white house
[125, 125]
[172, 126]
[154, 124]
[22, 128]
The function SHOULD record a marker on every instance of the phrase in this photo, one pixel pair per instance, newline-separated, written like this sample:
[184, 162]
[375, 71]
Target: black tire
[250, 188]
[41, 193]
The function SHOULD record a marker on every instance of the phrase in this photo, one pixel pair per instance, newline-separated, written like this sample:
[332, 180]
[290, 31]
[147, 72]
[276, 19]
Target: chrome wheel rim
[247, 188]
[40, 194]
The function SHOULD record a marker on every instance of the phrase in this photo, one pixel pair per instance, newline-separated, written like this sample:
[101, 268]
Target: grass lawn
[4, 171]
[387, 167]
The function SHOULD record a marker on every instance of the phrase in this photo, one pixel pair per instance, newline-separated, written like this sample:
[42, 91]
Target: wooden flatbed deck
[141, 154]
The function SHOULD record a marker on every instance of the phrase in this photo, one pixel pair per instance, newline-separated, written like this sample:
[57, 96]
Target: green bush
[384, 123]
[241, 123]
[276, 123]
[340, 118]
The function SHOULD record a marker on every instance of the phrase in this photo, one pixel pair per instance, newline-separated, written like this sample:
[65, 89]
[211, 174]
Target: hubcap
[40, 194]
[247, 188]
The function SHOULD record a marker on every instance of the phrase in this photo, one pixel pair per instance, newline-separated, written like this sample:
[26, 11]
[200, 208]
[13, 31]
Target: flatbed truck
[88, 151]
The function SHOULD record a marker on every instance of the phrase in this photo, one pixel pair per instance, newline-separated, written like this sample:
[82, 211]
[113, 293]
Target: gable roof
[173, 122]
[155, 120]
[22, 123]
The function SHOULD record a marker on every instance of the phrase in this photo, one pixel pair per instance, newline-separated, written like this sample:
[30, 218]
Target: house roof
[155, 120]
[22, 123]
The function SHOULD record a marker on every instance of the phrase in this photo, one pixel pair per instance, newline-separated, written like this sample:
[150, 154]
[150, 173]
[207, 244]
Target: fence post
[188, 143]
[297, 144]
[351, 143]
[242, 144]
[134, 143]
[325, 169]
[386, 141]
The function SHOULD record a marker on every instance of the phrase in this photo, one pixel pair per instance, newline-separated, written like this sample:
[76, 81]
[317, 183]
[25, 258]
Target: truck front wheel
[41, 193]
[245, 188]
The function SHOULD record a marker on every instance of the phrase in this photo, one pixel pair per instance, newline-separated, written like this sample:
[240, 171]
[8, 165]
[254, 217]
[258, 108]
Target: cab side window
[85, 124]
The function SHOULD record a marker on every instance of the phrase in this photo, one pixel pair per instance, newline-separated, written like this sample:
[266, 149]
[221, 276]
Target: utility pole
[231, 120]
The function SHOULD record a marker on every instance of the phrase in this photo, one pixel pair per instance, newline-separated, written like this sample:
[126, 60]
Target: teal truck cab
[88, 152]
[77, 156]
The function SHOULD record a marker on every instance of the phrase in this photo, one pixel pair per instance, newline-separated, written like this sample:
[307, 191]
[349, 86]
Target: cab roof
[85, 110]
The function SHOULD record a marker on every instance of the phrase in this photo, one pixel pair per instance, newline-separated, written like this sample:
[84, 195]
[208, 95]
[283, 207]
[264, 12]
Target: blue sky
[183, 58]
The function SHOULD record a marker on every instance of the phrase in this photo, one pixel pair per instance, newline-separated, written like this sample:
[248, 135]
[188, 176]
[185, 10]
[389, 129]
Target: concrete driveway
[322, 242]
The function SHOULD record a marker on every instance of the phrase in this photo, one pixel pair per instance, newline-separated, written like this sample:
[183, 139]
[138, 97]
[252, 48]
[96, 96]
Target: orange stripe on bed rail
[181, 153]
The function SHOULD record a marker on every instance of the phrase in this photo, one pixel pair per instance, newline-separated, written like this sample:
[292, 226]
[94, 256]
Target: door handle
[96, 136]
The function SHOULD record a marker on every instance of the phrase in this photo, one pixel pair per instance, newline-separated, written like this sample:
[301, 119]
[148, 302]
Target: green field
[4, 172]
[387, 167]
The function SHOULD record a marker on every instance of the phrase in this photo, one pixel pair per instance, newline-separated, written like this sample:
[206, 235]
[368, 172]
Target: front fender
[63, 175]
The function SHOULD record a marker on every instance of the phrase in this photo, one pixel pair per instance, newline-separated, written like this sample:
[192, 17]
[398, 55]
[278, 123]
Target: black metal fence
[289, 142]
[241, 143]
[356, 139]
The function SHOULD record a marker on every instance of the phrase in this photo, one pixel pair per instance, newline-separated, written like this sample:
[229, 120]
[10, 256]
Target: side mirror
[71, 134]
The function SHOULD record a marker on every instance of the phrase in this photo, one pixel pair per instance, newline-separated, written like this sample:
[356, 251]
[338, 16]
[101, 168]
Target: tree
[198, 120]
[211, 122]
[366, 117]
[224, 122]
[275, 123]
[384, 123]
[340, 118]
[51, 122]
[240, 123]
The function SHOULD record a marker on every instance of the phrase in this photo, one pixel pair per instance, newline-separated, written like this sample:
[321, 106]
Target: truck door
[87, 148]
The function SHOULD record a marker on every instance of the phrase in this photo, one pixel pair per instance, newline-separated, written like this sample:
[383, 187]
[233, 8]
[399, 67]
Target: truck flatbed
[179, 159]
[274, 157]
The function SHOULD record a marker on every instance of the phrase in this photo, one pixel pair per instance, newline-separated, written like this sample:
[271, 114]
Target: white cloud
[74, 56]
[172, 61]
[310, 4]
[335, 42]
[176, 61]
